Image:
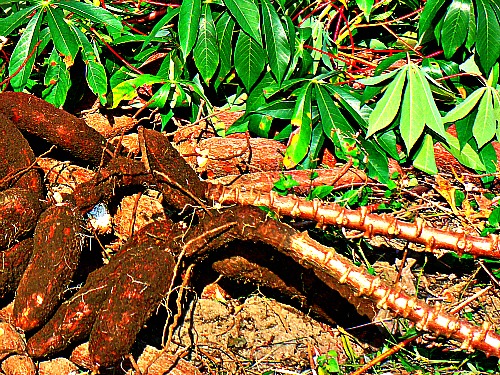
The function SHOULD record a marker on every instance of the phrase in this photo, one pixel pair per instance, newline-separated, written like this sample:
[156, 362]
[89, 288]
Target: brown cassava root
[370, 224]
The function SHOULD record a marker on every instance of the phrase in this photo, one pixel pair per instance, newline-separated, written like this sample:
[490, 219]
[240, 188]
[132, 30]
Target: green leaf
[375, 80]
[430, 10]
[206, 51]
[317, 141]
[24, 47]
[471, 33]
[366, 7]
[485, 125]
[301, 137]
[377, 164]
[95, 14]
[320, 192]
[488, 31]
[425, 159]
[356, 108]
[281, 109]
[277, 47]
[10, 23]
[465, 155]
[171, 13]
[96, 74]
[63, 37]
[388, 106]
[427, 104]
[57, 80]
[189, 18]
[488, 156]
[302, 111]
[249, 59]
[247, 15]
[127, 90]
[455, 25]
[331, 118]
[160, 97]
[260, 124]
[225, 28]
[412, 121]
[496, 110]
[464, 108]
[464, 128]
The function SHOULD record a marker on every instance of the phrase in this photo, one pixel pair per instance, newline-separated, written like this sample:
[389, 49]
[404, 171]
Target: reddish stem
[125, 62]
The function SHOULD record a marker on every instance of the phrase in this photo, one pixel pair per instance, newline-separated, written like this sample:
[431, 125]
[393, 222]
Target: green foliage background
[364, 75]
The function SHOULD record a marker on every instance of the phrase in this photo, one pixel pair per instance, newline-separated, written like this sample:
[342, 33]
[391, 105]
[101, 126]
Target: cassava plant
[358, 74]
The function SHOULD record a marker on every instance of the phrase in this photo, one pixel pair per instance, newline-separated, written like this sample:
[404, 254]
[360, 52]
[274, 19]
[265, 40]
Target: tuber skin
[57, 244]
[42, 119]
[14, 262]
[75, 318]
[19, 212]
[17, 160]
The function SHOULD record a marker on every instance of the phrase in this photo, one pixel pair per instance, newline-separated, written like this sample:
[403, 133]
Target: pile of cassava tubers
[41, 241]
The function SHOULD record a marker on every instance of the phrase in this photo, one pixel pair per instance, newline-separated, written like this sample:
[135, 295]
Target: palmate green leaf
[412, 121]
[485, 125]
[488, 32]
[128, 89]
[249, 59]
[464, 108]
[247, 16]
[63, 36]
[331, 118]
[94, 14]
[388, 106]
[57, 80]
[427, 104]
[224, 29]
[301, 137]
[23, 49]
[425, 160]
[430, 10]
[12, 22]
[454, 31]
[189, 18]
[277, 47]
[206, 51]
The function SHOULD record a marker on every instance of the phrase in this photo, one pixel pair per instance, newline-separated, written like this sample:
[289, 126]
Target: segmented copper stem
[370, 224]
[426, 317]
